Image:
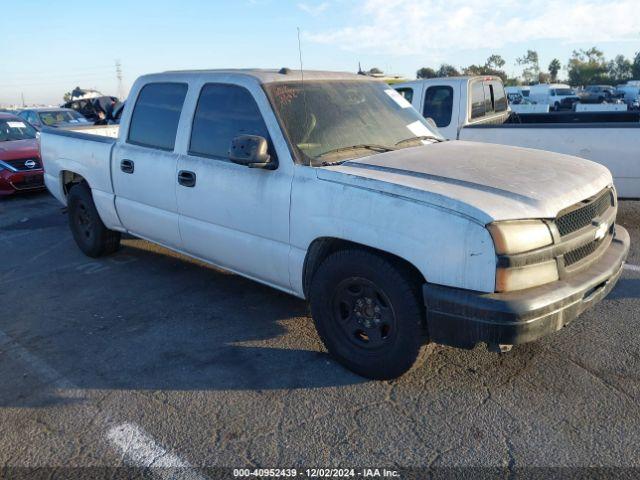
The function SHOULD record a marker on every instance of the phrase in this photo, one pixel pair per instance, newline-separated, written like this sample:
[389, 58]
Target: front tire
[368, 312]
[91, 235]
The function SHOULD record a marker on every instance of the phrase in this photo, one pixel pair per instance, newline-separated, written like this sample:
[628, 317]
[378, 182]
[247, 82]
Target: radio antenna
[300, 54]
[304, 92]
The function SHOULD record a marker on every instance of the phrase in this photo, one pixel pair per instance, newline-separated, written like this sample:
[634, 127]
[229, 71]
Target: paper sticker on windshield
[419, 129]
[16, 125]
[399, 99]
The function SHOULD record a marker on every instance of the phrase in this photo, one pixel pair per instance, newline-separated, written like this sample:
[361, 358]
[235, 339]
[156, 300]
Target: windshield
[563, 92]
[61, 116]
[15, 130]
[338, 120]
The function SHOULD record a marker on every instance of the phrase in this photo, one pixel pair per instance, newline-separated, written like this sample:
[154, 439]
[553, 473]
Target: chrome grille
[583, 215]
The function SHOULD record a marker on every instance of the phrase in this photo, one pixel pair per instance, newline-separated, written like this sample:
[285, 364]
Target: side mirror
[251, 151]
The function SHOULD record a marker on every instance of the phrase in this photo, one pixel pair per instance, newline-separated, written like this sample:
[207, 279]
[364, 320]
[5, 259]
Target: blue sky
[52, 46]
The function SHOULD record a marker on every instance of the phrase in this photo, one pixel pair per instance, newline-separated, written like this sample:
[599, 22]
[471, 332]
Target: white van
[557, 95]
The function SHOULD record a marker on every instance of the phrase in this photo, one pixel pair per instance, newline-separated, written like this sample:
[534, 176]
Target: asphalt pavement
[147, 358]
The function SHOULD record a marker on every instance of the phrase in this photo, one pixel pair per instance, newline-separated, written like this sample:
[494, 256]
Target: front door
[234, 216]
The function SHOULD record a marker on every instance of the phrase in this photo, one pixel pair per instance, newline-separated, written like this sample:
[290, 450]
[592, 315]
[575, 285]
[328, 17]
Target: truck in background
[475, 108]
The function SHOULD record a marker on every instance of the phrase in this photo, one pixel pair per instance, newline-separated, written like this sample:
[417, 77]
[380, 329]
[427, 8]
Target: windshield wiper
[372, 147]
[419, 137]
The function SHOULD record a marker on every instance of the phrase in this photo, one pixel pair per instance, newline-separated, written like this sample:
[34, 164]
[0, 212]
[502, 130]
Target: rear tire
[91, 235]
[369, 313]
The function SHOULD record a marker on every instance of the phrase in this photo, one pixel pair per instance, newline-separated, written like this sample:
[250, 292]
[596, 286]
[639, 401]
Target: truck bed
[563, 118]
[85, 151]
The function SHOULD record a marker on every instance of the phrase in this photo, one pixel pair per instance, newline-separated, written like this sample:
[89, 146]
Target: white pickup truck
[333, 189]
[475, 109]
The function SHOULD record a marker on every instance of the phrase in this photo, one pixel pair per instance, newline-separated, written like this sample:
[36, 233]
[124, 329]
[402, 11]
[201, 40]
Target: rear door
[144, 164]
[231, 215]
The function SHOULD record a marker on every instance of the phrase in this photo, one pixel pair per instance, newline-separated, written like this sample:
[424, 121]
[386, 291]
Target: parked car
[337, 191]
[557, 95]
[97, 110]
[20, 165]
[629, 94]
[598, 94]
[53, 117]
[474, 108]
[519, 94]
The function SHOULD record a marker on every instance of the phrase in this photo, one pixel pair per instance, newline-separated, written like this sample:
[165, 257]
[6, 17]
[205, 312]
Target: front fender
[447, 248]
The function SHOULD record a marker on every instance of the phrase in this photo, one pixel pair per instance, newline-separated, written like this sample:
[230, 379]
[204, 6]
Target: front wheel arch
[322, 247]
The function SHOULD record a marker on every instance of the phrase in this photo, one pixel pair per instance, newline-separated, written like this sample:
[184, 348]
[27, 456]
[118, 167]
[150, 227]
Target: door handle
[127, 166]
[187, 178]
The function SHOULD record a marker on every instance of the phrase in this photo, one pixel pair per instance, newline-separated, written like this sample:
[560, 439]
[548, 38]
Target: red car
[20, 164]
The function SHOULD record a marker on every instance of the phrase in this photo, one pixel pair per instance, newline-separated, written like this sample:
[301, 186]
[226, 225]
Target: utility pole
[119, 77]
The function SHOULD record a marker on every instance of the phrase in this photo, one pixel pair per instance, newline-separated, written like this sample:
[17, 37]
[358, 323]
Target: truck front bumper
[463, 318]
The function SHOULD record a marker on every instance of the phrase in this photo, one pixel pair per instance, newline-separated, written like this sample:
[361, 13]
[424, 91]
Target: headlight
[519, 236]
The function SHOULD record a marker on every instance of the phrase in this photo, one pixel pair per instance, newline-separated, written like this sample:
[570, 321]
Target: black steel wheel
[364, 313]
[91, 235]
[369, 314]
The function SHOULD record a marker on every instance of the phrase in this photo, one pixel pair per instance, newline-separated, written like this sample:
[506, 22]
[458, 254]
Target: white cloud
[314, 9]
[430, 27]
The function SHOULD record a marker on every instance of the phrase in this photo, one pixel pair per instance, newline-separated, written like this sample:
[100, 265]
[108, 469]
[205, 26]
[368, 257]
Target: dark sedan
[53, 117]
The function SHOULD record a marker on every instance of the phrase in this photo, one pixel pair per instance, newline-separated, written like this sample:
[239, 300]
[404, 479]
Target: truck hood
[483, 181]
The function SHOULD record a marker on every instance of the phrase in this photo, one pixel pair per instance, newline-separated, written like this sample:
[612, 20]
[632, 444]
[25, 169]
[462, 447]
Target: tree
[635, 69]
[492, 66]
[620, 69]
[495, 62]
[447, 70]
[588, 67]
[426, 72]
[554, 69]
[544, 77]
[375, 71]
[531, 64]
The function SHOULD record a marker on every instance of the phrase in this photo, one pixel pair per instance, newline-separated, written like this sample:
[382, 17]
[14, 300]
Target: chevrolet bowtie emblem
[601, 231]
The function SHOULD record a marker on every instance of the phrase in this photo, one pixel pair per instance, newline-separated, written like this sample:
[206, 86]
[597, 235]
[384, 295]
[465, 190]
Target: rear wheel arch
[323, 247]
[69, 179]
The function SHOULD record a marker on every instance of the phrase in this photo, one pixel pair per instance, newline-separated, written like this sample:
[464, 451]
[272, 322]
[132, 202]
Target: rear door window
[156, 114]
[438, 105]
[478, 107]
[499, 97]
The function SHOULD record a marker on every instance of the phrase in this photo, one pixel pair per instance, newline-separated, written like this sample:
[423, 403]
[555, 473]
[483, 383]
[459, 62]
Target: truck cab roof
[263, 76]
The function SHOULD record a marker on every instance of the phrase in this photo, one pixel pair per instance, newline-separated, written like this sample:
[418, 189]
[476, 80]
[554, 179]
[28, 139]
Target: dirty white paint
[428, 205]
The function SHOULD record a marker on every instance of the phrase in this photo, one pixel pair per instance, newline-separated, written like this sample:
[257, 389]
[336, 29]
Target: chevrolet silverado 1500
[333, 189]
